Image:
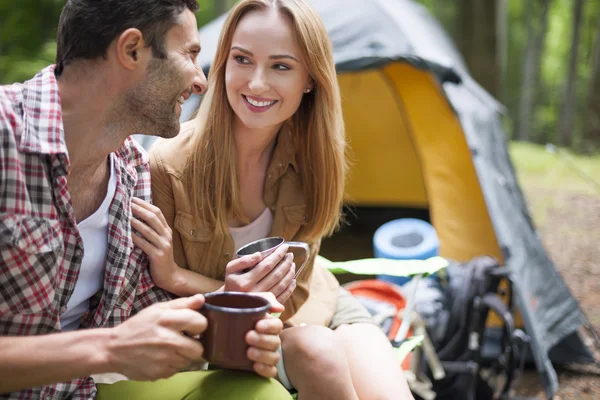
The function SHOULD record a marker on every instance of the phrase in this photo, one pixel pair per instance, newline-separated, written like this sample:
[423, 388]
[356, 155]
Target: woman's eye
[241, 59]
[281, 67]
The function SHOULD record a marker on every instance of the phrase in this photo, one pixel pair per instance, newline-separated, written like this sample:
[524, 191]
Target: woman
[265, 157]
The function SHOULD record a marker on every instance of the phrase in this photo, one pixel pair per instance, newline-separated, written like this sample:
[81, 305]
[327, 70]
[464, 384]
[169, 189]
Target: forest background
[540, 58]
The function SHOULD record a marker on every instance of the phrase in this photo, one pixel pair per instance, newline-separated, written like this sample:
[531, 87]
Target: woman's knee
[315, 347]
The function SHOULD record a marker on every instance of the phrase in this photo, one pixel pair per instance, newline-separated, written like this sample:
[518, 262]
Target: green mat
[385, 266]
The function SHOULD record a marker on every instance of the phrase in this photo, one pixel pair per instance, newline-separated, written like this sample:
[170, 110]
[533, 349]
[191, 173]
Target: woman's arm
[162, 244]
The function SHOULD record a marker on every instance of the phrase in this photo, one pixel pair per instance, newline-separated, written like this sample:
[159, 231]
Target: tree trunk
[531, 68]
[540, 45]
[565, 133]
[221, 7]
[526, 96]
[476, 40]
[502, 47]
[591, 127]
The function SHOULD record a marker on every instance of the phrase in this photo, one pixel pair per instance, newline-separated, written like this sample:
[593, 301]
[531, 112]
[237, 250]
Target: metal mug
[268, 245]
[230, 315]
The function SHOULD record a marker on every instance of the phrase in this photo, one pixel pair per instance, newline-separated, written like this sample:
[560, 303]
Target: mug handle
[300, 245]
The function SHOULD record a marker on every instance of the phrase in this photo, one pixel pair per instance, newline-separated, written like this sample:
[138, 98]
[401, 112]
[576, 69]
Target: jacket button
[192, 232]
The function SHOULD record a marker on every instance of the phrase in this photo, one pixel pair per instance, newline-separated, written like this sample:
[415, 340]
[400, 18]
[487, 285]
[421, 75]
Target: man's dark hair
[87, 27]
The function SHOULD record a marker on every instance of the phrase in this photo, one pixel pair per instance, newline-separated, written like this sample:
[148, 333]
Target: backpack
[470, 290]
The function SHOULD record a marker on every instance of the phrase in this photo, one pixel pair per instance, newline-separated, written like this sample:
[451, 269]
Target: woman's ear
[310, 86]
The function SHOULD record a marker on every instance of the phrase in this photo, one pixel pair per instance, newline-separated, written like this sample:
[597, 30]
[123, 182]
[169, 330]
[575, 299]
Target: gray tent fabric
[370, 33]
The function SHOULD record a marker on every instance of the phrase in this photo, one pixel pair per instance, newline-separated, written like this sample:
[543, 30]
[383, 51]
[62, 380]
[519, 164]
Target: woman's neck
[254, 146]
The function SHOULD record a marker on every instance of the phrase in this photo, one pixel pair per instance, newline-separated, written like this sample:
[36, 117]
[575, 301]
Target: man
[76, 298]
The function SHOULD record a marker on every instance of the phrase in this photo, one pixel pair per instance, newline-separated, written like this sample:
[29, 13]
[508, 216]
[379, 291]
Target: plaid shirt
[40, 246]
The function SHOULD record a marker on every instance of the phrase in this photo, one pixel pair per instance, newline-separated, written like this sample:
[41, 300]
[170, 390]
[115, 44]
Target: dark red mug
[230, 316]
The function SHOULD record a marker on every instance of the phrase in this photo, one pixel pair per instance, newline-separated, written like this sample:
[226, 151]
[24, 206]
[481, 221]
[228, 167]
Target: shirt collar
[42, 115]
[285, 152]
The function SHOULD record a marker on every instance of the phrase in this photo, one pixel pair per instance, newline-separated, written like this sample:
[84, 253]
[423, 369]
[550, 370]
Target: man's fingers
[190, 349]
[184, 320]
[192, 302]
[276, 306]
[178, 362]
[267, 371]
[269, 326]
[267, 357]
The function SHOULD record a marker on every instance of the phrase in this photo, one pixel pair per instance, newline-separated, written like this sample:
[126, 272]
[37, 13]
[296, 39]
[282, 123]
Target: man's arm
[148, 346]
[32, 361]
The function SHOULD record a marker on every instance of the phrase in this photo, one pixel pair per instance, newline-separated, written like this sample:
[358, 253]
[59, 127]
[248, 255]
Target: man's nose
[199, 85]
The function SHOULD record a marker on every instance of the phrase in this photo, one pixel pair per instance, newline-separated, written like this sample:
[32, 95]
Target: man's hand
[158, 342]
[264, 342]
[275, 274]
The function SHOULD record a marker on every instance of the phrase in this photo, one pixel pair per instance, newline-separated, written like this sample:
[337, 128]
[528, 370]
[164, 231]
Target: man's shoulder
[11, 105]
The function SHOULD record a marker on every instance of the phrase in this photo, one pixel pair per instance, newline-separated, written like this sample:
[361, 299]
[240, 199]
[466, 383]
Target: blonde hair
[317, 128]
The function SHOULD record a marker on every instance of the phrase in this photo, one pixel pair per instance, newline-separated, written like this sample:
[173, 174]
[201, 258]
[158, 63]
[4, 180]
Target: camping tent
[425, 135]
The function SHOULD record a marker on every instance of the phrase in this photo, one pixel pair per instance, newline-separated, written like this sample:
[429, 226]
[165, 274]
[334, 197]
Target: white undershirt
[257, 229]
[94, 233]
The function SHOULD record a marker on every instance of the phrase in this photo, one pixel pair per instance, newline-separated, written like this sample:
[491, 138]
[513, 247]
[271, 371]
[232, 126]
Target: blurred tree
[565, 128]
[536, 34]
[476, 30]
[591, 129]
[221, 6]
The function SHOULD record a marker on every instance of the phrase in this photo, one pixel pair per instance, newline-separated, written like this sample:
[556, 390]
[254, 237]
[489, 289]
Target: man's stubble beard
[149, 108]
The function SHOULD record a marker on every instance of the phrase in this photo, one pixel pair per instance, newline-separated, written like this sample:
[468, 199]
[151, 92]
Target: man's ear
[129, 47]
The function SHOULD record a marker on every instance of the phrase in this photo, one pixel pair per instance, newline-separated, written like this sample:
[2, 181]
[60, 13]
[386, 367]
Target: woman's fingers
[150, 208]
[143, 244]
[287, 293]
[148, 233]
[239, 265]
[264, 268]
[153, 218]
[272, 282]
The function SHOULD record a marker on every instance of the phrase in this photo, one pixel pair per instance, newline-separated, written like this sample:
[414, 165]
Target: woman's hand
[156, 241]
[275, 274]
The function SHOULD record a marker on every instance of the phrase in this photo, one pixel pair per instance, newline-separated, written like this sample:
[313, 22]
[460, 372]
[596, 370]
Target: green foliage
[28, 32]
[28, 35]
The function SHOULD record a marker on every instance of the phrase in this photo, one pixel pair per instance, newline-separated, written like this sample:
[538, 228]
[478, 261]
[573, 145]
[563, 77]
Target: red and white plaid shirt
[40, 246]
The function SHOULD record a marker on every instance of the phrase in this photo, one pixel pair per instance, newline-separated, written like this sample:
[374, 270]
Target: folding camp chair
[403, 345]
[483, 300]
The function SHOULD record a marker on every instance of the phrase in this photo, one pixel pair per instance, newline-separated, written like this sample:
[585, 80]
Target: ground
[564, 200]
